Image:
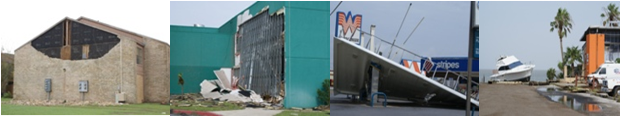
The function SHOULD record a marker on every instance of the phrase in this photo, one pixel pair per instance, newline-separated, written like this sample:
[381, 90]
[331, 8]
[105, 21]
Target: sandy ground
[518, 100]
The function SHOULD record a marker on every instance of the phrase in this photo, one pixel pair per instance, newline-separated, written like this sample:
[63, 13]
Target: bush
[324, 92]
[550, 74]
[7, 95]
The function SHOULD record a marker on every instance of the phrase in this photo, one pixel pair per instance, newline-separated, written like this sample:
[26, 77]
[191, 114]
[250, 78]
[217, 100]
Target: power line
[330, 14]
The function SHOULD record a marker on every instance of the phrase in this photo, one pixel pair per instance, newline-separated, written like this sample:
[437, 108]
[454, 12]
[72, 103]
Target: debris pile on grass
[214, 94]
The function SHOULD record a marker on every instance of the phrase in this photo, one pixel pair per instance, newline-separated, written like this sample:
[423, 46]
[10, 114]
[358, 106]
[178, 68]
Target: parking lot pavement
[341, 105]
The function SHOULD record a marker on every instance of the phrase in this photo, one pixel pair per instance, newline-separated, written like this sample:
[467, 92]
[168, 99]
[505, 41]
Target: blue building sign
[476, 45]
[457, 64]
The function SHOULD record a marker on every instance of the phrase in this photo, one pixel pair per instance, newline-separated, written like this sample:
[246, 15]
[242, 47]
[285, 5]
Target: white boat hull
[523, 75]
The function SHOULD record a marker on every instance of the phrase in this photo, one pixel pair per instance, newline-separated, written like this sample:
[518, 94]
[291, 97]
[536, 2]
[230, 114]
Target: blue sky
[444, 31]
[522, 29]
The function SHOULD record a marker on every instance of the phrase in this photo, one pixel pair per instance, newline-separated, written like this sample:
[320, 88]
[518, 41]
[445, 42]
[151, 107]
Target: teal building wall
[197, 51]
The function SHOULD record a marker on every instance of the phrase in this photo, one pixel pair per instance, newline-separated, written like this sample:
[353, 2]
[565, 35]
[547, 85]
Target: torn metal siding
[262, 53]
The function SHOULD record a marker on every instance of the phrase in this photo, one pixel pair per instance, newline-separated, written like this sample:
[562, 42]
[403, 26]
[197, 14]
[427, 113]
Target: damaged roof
[98, 25]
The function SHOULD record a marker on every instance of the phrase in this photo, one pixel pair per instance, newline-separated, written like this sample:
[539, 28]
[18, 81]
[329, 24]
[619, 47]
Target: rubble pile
[214, 94]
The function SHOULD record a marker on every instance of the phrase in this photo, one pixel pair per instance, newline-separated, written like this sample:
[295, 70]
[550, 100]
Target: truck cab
[599, 74]
[608, 75]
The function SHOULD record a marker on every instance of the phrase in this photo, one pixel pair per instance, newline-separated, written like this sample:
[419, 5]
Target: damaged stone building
[275, 48]
[86, 60]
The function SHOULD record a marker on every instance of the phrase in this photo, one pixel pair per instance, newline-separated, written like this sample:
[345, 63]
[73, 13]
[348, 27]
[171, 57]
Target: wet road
[519, 100]
[581, 102]
[340, 105]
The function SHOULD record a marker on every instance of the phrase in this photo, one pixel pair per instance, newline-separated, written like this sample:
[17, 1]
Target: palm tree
[610, 14]
[563, 24]
[573, 54]
[560, 66]
[550, 74]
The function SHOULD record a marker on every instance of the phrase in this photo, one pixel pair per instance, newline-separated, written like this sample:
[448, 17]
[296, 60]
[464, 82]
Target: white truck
[608, 75]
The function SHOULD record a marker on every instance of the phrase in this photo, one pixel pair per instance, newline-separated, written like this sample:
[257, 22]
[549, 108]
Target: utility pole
[472, 18]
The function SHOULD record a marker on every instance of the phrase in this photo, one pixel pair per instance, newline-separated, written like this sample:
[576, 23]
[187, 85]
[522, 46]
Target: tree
[323, 92]
[563, 24]
[610, 13]
[7, 74]
[550, 74]
[181, 82]
[617, 60]
[573, 55]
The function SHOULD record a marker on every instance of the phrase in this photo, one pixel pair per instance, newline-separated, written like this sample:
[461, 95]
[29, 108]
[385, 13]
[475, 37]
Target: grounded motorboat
[509, 68]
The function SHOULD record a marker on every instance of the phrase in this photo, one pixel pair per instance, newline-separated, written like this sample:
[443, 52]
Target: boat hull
[523, 76]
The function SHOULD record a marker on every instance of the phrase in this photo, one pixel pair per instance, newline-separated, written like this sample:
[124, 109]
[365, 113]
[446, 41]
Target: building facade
[602, 44]
[273, 47]
[87, 60]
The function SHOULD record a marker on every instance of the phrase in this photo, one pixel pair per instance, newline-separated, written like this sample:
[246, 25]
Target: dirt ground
[518, 100]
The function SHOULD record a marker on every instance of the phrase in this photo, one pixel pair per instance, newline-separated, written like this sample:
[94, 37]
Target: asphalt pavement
[340, 105]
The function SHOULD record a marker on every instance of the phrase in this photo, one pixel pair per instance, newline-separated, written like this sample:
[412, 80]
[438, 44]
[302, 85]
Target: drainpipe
[120, 88]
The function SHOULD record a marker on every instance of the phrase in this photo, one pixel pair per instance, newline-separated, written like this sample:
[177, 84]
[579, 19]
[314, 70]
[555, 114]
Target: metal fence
[261, 44]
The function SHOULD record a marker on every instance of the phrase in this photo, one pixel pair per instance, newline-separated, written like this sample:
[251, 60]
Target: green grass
[303, 113]
[225, 106]
[132, 109]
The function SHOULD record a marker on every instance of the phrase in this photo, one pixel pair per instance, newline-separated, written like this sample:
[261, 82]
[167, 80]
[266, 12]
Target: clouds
[24, 20]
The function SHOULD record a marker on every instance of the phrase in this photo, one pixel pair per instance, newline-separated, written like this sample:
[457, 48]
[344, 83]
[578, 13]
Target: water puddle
[548, 89]
[577, 104]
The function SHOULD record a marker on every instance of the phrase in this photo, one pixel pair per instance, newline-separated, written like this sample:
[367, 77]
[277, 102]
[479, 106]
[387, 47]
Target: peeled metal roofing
[350, 66]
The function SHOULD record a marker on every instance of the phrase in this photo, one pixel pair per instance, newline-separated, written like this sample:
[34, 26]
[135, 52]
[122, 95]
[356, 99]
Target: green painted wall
[197, 52]
[306, 50]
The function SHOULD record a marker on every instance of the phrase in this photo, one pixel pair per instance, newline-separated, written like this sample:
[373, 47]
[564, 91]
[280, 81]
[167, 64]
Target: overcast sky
[209, 14]
[444, 31]
[522, 29]
[23, 20]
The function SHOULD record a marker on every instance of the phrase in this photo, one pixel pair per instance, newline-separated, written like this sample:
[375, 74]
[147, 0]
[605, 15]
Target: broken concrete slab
[224, 76]
[206, 87]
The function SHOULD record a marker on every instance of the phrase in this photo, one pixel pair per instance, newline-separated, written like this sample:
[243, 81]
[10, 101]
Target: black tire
[614, 91]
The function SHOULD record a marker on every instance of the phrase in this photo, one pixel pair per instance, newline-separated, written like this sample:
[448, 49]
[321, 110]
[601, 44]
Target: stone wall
[33, 67]
[157, 71]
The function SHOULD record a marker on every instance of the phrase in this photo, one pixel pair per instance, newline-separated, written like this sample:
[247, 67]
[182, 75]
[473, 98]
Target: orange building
[602, 44]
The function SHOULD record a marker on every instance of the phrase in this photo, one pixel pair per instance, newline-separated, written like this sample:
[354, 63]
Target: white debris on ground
[208, 90]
